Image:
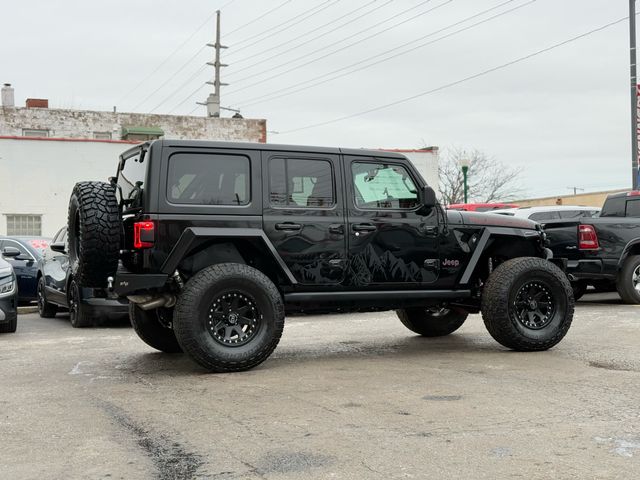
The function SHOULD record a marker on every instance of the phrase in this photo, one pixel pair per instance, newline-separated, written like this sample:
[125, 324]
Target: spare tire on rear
[93, 233]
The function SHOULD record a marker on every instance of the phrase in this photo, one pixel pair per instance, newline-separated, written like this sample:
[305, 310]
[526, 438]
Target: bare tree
[489, 180]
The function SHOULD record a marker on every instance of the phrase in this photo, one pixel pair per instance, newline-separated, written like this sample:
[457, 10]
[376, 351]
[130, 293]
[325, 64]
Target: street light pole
[634, 94]
[465, 169]
[464, 162]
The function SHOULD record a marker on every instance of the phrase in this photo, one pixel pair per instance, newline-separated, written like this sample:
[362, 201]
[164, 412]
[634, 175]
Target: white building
[44, 152]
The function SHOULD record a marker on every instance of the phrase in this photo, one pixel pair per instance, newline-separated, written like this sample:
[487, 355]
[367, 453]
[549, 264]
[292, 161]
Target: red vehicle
[480, 207]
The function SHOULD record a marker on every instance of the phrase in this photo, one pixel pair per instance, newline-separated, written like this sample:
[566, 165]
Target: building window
[34, 132]
[27, 225]
[102, 135]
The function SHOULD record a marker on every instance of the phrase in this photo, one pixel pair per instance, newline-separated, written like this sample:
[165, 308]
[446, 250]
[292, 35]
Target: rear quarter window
[132, 176]
[208, 179]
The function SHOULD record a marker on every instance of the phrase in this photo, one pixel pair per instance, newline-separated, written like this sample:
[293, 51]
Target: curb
[25, 310]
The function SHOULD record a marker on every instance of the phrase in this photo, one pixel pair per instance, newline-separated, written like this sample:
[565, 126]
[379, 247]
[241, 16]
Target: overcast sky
[562, 115]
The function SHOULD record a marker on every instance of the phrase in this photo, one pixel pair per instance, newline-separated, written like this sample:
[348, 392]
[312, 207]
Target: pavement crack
[171, 459]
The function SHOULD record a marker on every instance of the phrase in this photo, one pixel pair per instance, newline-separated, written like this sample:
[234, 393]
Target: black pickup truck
[604, 251]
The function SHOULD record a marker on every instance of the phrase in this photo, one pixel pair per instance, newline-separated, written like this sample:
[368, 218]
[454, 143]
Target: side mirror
[428, 197]
[59, 247]
[10, 252]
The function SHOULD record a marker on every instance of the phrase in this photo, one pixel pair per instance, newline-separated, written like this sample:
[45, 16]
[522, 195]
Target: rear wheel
[45, 309]
[94, 233]
[434, 321]
[229, 317]
[628, 284]
[527, 304]
[152, 328]
[79, 314]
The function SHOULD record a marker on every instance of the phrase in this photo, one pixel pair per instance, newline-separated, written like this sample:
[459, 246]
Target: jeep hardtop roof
[268, 146]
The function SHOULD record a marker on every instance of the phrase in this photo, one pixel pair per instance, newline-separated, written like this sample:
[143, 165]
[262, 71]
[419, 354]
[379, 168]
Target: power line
[269, 31]
[288, 42]
[189, 97]
[179, 89]
[272, 33]
[178, 48]
[341, 49]
[171, 77]
[260, 17]
[290, 90]
[457, 82]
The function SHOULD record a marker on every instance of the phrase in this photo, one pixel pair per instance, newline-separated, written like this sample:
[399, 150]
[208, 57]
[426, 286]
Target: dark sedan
[25, 265]
[8, 292]
[57, 289]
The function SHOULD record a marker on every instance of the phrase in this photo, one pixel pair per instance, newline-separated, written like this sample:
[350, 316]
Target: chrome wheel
[635, 279]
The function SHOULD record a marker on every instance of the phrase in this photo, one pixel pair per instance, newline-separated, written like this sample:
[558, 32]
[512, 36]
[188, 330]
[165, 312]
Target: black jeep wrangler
[213, 242]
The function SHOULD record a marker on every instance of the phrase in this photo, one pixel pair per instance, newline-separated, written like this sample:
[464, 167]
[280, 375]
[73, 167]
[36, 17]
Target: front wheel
[229, 317]
[527, 304]
[45, 309]
[432, 322]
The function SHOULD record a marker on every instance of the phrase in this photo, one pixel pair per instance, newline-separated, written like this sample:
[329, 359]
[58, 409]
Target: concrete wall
[83, 124]
[591, 199]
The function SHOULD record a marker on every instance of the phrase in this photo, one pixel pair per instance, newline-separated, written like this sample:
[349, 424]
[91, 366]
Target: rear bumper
[586, 269]
[126, 283]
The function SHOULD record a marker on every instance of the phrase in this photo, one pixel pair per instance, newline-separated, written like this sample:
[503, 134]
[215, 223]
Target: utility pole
[634, 95]
[213, 100]
[575, 190]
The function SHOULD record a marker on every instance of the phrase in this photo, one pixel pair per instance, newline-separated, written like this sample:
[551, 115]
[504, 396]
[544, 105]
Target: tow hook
[110, 283]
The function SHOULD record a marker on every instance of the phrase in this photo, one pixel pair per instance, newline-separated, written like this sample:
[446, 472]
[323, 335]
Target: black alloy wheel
[534, 305]
[233, 318]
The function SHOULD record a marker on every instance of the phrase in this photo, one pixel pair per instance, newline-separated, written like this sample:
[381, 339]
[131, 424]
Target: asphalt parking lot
[344, 396]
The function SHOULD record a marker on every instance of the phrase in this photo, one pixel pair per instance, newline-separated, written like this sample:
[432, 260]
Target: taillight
[587, 238]
[143, 234]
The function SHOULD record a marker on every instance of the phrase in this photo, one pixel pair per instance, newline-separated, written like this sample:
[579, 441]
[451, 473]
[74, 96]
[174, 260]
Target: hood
[4, 266]
[489, 220]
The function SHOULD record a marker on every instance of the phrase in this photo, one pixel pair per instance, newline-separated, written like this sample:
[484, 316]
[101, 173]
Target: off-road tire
[45, 309]
[579, 289]
[432, 323]
[625, 284]
[94, 233]
[11, 326]
[79, 314]
[151, 331]
[499, 304]
[195, 305]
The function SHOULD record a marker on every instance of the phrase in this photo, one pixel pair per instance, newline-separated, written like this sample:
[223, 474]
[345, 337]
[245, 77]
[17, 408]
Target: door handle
[336, 228]
[430, 229]
[364, 227]
[288, 226]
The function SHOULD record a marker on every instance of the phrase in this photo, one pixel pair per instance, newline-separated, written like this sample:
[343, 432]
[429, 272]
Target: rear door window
[298, 182]
[614, 207]
[208, 179]
[633, 208]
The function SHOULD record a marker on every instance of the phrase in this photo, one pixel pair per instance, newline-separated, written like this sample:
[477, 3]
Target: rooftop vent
[8, 96]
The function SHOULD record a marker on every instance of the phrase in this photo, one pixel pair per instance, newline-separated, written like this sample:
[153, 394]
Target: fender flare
[487, 233]
[626, 249]
[191, 234]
